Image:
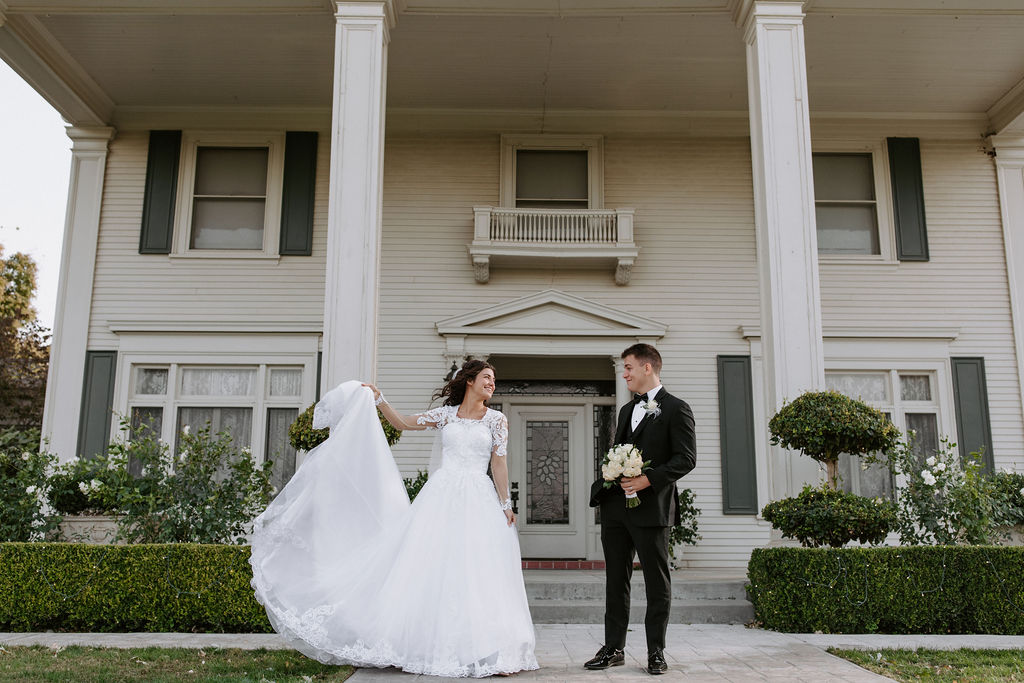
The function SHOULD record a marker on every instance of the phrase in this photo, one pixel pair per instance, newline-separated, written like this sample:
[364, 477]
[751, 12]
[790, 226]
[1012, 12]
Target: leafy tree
[825, 424]
[24, 345]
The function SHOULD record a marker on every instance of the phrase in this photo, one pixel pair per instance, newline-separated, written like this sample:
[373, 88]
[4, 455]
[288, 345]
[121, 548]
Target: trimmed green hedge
[918, 589]
[166, 587]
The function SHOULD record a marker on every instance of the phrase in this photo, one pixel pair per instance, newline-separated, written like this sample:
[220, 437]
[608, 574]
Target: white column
[787, 245]
[74, 292]
[355, 201]
[1010, 177]
[622, 393]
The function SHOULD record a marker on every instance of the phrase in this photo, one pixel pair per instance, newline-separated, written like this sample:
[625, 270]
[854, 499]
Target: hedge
[918, 589]
[165, 587]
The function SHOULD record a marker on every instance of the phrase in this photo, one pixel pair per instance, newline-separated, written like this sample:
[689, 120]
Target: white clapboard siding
[153, 287]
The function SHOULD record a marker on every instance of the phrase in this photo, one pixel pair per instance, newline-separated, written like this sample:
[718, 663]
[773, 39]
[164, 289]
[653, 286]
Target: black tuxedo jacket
[670, 443]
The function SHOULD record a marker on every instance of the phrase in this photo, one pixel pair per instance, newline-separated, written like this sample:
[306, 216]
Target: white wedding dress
[351, 573]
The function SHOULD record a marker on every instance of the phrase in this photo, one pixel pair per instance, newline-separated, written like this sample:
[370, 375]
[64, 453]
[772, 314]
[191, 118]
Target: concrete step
[541, 589]
[683, 611]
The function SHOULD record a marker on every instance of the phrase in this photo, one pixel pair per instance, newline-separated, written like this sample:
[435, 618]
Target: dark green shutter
[161, 192]
[299, 193]
[319, 365]
[908, 199]
[97, 402]
[736, 430]
[972, 418]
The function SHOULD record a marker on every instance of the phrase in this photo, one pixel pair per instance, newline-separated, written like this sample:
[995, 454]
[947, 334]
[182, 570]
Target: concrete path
[696, 652]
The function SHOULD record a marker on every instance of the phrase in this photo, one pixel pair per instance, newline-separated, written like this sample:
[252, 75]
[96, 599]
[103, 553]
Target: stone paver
[696, 652]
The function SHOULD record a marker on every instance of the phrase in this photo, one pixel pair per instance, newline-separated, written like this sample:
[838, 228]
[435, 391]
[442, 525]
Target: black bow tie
[639, 398]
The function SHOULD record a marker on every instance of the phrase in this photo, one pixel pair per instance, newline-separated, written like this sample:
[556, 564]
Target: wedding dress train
[351, 573]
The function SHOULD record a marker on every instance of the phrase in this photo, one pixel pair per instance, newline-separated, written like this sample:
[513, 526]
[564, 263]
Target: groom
[661, 427]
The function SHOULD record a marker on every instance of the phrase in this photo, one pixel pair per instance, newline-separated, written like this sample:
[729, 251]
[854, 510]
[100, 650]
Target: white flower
[95, 484]
[83, 487]
[928, 477]
[930, 461]
[186, 429]
[26, 455]
[1022, 491]
[652, 408]
[941, 467]
[32, 490]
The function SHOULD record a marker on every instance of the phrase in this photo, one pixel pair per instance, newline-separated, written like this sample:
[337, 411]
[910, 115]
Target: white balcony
[574, 238]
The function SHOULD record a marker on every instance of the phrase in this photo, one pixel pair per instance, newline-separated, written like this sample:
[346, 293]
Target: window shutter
[97, 403]
[161, 192]
[299, 193]
[908, 199]
[319, 367]
[970, 394]
[736, 430]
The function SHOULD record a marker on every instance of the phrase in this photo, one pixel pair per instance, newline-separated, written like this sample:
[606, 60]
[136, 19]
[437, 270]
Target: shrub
[178, 587]
[23, 487]
[1009, 492]
[947, 589]
[78, 487]
[208, 492]
[414, 484]
[823, 516]
[303, 437]
[944, 501]
[686, 530]
[825, 424]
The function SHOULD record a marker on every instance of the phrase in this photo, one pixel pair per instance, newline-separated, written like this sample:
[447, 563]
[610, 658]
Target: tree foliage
[825, 424]
[24, 345]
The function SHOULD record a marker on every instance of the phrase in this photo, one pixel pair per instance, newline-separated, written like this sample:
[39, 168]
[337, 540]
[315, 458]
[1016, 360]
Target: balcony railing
[566, 237]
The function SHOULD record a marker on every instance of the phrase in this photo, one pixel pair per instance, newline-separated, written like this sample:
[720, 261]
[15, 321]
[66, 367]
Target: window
[230, 195]
[908, 398]
[552, 171]
[851, 203]
[255, 404]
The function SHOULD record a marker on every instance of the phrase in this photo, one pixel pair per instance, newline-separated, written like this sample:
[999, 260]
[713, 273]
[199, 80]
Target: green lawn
[112, 665]
[961, 666]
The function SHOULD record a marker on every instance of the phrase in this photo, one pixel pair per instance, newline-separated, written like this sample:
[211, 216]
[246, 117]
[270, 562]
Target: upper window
[850, 203]
[552, 171]
[552, 179]
[230, 195]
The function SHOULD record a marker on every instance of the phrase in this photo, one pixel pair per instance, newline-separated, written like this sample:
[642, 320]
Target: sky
[35, 164]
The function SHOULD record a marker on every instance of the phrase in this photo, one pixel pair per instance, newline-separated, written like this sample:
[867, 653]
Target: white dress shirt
[638, 409]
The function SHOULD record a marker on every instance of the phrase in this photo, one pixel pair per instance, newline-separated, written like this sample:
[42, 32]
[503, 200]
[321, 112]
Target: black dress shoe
[606, 657]
[656, 662]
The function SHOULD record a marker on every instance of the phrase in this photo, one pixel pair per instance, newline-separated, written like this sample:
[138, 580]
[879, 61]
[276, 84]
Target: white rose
[928, 477]
[1022, 491]
[32, 490]
[930, 461]
[941, 467]
[26, 455]
[83, 487]
[186, 429]
[615, 469]
[95, 485]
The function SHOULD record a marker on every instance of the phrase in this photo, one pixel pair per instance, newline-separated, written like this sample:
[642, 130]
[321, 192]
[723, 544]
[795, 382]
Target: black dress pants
[650, 544]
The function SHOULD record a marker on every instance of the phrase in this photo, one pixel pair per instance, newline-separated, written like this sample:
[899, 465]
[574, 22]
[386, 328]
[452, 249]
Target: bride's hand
[375, 390]
[511, 517]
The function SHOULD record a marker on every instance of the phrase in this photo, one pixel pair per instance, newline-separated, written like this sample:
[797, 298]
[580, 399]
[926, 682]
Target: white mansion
[270, 196]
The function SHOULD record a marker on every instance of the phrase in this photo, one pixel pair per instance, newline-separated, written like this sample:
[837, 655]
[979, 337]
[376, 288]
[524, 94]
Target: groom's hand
[634, 484]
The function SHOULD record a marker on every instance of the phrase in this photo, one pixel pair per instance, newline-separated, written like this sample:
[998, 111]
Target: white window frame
[217, 350]
[593, 144]
[883, 199]
[191, 142]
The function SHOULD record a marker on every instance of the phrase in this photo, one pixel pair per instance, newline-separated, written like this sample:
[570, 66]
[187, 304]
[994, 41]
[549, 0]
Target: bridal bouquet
[623, 460]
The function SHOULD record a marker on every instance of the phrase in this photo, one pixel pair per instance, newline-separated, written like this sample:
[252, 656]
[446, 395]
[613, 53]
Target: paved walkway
[696, 652]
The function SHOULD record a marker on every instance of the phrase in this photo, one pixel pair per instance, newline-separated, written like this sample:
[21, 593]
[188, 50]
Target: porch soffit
[551, 313]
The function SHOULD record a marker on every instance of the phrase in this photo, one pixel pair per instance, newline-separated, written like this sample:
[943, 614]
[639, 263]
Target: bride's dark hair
[454, 390]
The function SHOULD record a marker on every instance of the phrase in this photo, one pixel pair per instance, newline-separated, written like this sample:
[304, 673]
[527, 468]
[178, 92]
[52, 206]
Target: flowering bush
[1009, 487]
[23, 471]
[942, 501]
[303, 437]
[823, 516]
[207, 492]
[78, 487]
[686, 531]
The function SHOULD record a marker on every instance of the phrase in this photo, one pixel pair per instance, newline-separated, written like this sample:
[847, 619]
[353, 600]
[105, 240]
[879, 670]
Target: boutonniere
[651, 408]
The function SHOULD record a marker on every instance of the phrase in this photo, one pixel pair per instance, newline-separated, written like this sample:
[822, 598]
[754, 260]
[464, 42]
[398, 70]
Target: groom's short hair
[645, 353]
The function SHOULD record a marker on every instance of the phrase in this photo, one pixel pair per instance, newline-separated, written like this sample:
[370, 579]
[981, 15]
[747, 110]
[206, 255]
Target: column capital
[89, 138]
[1009, 148]
[745, 13]
[347, 10]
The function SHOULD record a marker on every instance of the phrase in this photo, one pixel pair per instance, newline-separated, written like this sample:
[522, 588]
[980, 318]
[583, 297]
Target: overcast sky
[35, 163]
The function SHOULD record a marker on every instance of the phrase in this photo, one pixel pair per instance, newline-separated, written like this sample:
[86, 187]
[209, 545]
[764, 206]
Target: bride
[351, 573]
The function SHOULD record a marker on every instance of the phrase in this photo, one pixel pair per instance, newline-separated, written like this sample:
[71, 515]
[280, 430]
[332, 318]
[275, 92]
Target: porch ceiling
[866, 60]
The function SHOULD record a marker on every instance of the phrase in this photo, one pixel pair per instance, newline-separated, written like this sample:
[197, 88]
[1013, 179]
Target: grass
[152, 664]
[962, 666]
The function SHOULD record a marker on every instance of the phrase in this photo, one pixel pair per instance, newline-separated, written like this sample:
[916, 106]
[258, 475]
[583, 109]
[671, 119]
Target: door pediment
[552, 313]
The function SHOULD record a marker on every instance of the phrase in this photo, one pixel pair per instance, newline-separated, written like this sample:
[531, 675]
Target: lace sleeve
[435, 418]
[499, 434]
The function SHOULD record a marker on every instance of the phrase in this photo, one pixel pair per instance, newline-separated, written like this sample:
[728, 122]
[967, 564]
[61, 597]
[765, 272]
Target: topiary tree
[303, 437]
[824, 424]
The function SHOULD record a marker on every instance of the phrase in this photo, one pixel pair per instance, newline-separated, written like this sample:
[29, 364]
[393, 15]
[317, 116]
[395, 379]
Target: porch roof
[94, 58]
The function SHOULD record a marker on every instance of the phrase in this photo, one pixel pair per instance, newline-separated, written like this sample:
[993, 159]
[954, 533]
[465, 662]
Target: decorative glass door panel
[549, 460]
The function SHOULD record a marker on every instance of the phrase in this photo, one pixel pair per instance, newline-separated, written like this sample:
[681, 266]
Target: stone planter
[1016, 535]
[94, 529]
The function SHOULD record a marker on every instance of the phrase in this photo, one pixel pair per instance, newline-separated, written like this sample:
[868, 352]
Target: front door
[549, 461]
